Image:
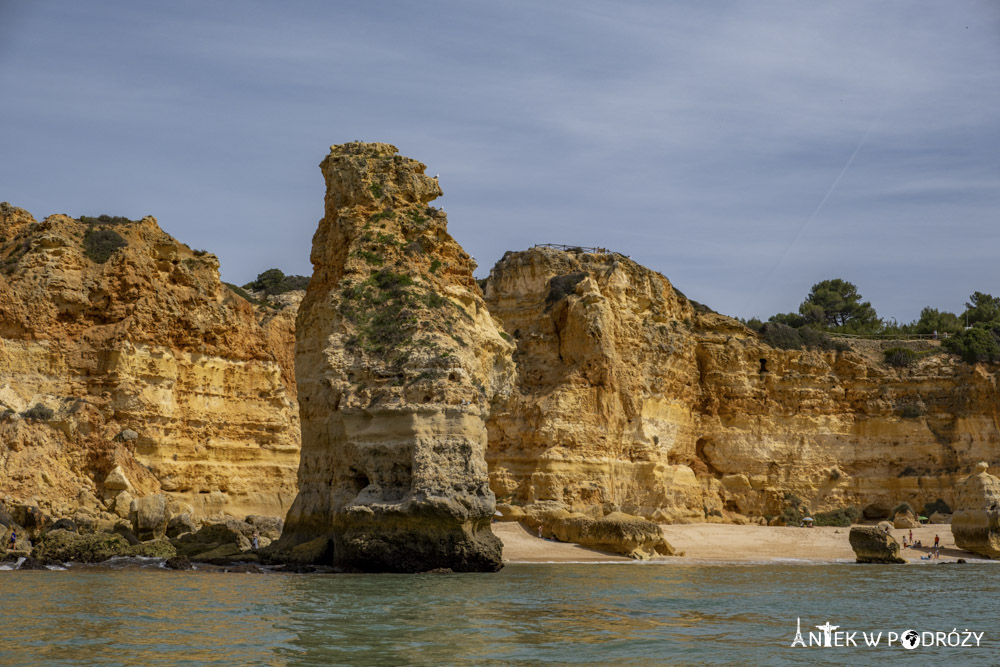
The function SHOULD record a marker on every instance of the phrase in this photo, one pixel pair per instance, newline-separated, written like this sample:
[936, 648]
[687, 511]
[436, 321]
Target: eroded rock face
[158, 377]
[397, 363]
[629, 398]
[605, 414]
[872, 544]
[976, 521]
[616, 532]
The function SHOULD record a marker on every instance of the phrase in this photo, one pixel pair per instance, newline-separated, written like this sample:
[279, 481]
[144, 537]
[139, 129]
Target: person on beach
[911, 536]
[256, 540]
[904, 542]
[13, 540]
[539, 531]
[937, 541]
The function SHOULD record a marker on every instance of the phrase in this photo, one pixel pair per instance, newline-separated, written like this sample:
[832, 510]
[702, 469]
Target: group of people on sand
[936, 549]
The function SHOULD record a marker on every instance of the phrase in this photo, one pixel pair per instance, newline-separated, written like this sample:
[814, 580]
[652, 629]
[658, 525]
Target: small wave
[13, 566]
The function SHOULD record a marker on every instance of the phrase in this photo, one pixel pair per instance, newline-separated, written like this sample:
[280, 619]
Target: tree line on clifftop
[835, 306]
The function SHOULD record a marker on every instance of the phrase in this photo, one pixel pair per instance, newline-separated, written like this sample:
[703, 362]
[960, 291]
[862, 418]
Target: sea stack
[976, 522]
[397, 362]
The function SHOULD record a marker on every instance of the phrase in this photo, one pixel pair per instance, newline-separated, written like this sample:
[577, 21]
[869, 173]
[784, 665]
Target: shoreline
[719, 544]
[696, 544]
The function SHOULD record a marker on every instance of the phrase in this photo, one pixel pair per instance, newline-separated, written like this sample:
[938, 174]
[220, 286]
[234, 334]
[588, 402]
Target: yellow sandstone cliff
[397, 362]
[584, 388]
[632, 399]
[147, 362]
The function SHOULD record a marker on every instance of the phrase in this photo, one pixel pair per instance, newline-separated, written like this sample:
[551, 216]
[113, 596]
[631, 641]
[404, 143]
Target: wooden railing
[573, 248]
[896, 336]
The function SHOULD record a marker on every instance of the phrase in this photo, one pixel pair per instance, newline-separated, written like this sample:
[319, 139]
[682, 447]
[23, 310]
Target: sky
[746, 150]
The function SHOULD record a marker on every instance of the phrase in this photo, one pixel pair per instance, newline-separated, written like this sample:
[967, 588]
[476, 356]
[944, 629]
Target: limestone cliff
[630, 398]
[976, 523]
[397, 364]
[148, 362]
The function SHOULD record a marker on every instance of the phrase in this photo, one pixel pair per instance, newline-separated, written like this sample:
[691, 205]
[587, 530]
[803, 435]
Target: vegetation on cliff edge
[274, 281]
[100, 244]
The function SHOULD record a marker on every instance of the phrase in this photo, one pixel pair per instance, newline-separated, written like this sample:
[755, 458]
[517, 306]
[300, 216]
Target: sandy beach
[728, 543]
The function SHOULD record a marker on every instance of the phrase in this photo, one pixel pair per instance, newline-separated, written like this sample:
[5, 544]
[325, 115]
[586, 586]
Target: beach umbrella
[808, 518]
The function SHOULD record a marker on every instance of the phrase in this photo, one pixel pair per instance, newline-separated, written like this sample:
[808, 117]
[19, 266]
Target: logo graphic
[829, 637]
[910, 639]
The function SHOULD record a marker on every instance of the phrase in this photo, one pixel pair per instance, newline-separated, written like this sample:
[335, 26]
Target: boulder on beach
[117, 481]
[976, 521]
[180, 524]
[178, 563]
[30, 563]
[62, 545]
[872, 544]
[30, 518]
[905, 520]
[158, 548]
[122, 504]
[225, 554]
[212, 536]
[267, 526]
[616, 532]
[64, 524]
[150, 519]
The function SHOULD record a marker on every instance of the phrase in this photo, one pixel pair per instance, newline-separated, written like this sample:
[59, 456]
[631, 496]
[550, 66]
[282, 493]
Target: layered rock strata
[141, 359]
[398, 362]
[630, 398]
[976, 521]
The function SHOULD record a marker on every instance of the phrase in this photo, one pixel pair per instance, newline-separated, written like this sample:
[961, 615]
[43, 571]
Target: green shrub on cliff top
[975, 345]
[784, 337]
[100, 244]
[562, 286]
[105, 219]
[274, 281]
[900, 357]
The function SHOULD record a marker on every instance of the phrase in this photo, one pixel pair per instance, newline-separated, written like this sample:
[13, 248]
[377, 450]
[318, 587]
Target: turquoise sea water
[674, 613]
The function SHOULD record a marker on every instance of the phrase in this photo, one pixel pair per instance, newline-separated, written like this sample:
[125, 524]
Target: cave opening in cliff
[360, 480]
[763, 365]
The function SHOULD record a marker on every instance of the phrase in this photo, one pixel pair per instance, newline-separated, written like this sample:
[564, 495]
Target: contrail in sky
[822, 201]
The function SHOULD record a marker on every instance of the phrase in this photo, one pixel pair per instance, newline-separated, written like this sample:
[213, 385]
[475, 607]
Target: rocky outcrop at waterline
[53, 541]
[616, 532]
[398, 363]
[873, 544]
[976, 521]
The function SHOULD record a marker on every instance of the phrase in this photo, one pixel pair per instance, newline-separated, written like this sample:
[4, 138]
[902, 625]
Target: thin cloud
[697, 137]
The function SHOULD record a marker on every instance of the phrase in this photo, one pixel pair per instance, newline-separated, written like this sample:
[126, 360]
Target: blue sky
[707, 140]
